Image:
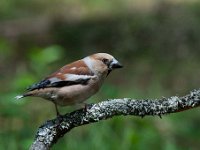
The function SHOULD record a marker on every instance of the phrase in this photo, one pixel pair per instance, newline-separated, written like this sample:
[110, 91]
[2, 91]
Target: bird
[74, 83]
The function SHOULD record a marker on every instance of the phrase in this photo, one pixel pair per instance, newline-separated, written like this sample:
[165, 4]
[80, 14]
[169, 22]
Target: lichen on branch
[52, 130]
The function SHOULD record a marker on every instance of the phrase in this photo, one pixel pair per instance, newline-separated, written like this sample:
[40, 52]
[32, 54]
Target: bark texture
[52, 130]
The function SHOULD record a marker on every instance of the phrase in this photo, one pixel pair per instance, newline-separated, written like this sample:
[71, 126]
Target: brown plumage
[75, 82]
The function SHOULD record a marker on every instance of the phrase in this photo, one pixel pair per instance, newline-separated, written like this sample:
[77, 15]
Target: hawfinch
[74, 82]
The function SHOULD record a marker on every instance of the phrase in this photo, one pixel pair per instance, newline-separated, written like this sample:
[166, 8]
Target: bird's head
[102, 63]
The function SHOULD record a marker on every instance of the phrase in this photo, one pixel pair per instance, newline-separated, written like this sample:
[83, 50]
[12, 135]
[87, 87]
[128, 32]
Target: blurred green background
[157, 41]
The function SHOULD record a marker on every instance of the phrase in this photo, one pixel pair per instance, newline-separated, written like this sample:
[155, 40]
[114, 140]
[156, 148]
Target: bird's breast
[70, 95]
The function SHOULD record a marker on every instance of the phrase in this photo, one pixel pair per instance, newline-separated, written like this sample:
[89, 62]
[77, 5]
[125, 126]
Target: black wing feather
[41, 84]
[47, 84]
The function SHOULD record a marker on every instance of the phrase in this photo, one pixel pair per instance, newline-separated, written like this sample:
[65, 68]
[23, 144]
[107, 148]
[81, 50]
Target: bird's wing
[71, 74]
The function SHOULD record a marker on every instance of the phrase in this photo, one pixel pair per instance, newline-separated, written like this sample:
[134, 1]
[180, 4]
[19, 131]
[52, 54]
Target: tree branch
[52, 130]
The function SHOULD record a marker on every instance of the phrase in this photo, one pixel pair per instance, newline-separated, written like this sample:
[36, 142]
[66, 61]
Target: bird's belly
[70, 95]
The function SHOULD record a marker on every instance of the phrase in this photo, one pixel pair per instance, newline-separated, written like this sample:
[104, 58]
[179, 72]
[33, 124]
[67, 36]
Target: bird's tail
[19, 97]
[22, 96]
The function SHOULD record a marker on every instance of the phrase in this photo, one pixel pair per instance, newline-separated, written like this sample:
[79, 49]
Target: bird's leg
[59, 116]
[85, 107]
[57, 112]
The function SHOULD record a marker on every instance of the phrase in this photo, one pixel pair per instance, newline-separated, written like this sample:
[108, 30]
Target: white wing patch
[71, 77]
[74, 77]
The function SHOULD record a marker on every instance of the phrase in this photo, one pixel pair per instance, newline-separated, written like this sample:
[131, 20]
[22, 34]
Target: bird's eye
[105, 61]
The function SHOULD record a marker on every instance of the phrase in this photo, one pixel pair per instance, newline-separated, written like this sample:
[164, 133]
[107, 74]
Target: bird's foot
[87, 107]
[59, 119]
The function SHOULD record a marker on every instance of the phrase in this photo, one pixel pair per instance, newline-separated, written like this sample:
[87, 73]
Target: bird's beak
[115, 64]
